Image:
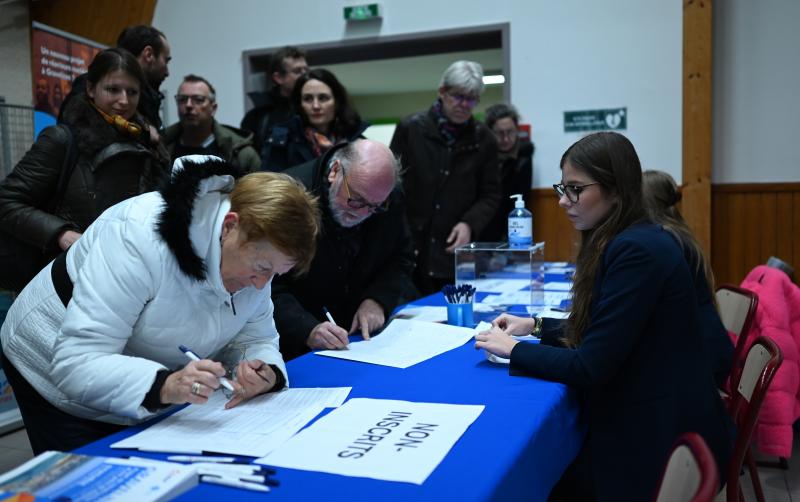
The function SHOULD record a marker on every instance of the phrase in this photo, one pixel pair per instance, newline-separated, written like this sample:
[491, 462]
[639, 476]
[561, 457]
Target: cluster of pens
[231, 471]
[464, 293]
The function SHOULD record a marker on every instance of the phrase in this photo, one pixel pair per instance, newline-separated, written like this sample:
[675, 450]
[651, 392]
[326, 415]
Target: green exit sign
[362, 12]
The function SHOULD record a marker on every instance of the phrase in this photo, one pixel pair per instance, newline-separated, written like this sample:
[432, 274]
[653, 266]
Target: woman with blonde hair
[93, 342]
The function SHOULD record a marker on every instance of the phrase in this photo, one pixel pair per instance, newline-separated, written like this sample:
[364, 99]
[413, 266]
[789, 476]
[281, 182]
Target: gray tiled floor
[14, 450]
[778, 485]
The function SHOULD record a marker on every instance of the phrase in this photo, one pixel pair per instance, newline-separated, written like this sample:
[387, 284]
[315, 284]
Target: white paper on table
[429, 313]
[500, 285]
[379, 439]
[404, 343]
[513, 298]
[554, 298]
[252, 428]
[547, 312]
[557, 286]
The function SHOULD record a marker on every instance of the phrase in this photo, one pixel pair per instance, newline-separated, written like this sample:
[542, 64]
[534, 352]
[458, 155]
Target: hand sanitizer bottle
[520, 228]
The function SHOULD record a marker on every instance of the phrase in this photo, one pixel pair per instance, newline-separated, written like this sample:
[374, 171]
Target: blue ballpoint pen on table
[194, 357]
[330, 318]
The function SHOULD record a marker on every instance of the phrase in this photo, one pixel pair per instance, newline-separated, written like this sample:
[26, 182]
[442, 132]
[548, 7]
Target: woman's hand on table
[193, 384]
[252, 378]
[496, 341]
[513, 325]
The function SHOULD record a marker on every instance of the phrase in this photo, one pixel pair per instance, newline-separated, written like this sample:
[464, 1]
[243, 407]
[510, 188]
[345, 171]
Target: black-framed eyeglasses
[573, 192]
[360, 203]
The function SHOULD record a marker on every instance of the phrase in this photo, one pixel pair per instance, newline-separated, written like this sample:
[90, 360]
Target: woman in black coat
[325, 118]
[632, 345]
[116, 159]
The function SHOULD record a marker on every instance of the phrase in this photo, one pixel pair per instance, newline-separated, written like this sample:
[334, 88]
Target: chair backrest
[690, 473]
[762, 362]
[737, 309]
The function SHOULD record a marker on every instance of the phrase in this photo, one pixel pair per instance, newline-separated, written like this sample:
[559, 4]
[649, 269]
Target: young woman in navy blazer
[631, 346]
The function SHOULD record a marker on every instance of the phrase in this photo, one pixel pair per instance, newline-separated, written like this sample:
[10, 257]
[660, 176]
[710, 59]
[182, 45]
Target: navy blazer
[640, 367]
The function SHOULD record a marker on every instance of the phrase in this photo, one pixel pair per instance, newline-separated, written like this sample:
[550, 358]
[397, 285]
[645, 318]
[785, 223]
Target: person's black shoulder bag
[20, 261]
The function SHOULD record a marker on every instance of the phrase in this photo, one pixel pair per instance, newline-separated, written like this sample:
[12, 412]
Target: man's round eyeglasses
[359, 202]
[573, 192]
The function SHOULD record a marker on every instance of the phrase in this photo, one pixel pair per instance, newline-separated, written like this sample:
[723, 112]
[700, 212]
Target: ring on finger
[196, 388]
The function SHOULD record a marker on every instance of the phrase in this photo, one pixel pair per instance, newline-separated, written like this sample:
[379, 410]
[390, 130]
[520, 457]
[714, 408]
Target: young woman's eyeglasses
[573, 192]
[360, 203]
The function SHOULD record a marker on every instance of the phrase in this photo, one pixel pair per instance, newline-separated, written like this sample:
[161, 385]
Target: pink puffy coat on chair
[777, 317]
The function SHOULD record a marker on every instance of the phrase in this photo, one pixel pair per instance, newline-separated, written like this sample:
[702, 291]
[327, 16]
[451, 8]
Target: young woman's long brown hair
[609, 159]
[660, 194]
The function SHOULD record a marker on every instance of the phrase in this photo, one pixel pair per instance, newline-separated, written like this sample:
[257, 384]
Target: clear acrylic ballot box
[514, 276]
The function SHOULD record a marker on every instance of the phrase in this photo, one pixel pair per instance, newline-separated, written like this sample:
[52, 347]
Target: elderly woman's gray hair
[464, 75]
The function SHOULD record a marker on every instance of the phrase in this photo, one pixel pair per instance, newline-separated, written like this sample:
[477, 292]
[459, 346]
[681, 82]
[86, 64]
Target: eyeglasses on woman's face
[358, 202]
[573, 192]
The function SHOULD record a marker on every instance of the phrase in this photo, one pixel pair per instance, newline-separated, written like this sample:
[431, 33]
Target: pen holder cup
[460, 314]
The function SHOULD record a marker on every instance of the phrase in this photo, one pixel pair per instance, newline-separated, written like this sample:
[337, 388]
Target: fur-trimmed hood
[192, 177]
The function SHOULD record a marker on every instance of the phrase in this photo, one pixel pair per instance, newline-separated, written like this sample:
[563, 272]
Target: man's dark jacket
[271, 108]
[149, 102]
[445, 185]
[372, 260]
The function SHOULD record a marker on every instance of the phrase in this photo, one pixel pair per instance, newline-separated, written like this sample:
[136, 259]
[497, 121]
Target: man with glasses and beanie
[364, 260]
[449, 174]
[198, 133]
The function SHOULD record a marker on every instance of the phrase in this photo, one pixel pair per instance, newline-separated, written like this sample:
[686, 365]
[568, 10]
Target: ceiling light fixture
[493, 79]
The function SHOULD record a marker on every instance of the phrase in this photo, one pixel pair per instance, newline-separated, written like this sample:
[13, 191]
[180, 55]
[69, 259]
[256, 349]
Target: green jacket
[236, 145]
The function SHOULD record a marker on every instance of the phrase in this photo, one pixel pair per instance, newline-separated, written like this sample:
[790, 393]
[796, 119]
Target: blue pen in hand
[194, 357]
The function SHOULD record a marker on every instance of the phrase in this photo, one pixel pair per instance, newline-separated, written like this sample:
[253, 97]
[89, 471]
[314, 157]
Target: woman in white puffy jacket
[92, 343]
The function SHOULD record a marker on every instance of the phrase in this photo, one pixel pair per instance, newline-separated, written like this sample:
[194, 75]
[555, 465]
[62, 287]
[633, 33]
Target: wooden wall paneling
[752, 222]
[551, 225]
[98, 20]
[783, 224]
[697, 91]
[719, 262]
[795, 236]
[752, 233]
[769, 235]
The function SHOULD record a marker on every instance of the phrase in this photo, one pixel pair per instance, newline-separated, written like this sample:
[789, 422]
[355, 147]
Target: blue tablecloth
[516, 450]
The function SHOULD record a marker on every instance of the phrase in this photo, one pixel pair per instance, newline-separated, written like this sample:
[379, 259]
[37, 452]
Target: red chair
[762, 362]
[737, 309]
[690, 473]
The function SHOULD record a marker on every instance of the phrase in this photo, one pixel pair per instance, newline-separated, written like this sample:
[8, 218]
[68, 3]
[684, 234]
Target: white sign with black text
[378, 438]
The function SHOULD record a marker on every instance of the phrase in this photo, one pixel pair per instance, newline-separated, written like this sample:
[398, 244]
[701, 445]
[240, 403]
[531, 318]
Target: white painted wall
[565, 55]
[756, 91]
[15, 53]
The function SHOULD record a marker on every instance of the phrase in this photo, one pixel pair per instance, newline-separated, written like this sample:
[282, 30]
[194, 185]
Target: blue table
[516, 450]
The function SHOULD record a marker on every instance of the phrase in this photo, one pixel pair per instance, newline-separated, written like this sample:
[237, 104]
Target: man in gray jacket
[198, 133]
